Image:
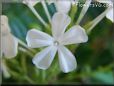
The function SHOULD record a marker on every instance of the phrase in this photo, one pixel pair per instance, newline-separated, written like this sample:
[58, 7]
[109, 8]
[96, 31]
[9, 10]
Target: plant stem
[4, 69]
[54, 71]
[29, 80]
[23, 63]
[46, 10]
[84, 10]
[43, 76]
[37, 15]
[26, 51]
[73, 12]
[17, 75]
[93, 23]
[23, 44]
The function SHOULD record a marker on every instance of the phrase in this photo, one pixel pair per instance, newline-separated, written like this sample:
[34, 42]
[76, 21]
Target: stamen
[56, 43]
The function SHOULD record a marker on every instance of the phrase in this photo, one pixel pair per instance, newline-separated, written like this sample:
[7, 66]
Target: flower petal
[9, 46]
[74, 35]
[59, 23]
[36, 39]
[4, 25]
[110, 15]
[67, 60]
[63, 6]
[44, 59]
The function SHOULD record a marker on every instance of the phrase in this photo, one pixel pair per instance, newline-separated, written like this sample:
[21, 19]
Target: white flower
[109, 15]
[8, 44]
[8, 41]
[31, 2]
[37, 39]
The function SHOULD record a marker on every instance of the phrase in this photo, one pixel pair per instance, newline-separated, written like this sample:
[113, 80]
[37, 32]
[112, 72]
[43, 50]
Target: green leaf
[105, 77]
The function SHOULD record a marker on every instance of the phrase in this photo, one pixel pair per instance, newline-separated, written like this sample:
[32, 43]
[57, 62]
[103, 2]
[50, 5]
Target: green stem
[73, 12]
[29, 80]
[23, 62]
[37, 15]
[17, 75]
[46, 10]
[93, 23]
[23, 44]
[26, 51]
[13, 73]
[54, 71]
[43, 76]
[83, 12]
[4, 69]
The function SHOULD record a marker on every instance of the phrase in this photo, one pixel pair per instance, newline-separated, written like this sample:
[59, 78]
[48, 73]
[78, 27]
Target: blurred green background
[95, 58]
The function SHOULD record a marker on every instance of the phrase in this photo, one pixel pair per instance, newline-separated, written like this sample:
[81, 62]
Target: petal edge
[75, 34]
[44, 58]
[67, 60]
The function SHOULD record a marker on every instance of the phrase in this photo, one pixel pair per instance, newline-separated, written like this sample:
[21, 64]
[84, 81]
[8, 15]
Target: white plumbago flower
[31, 2]
[109, 15]
[61, 37]
[8, 42]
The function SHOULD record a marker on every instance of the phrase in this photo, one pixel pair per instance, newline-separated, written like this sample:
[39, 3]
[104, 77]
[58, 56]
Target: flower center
[56, 43]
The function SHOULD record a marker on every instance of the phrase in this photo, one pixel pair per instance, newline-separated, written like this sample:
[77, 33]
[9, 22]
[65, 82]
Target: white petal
[9, 45]
[110, 16]
[67, 60]
[31, 2]
[74, 35]
[44, 59]
[4, 25]
[63, 5]
[59, 23]
[36, 39]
